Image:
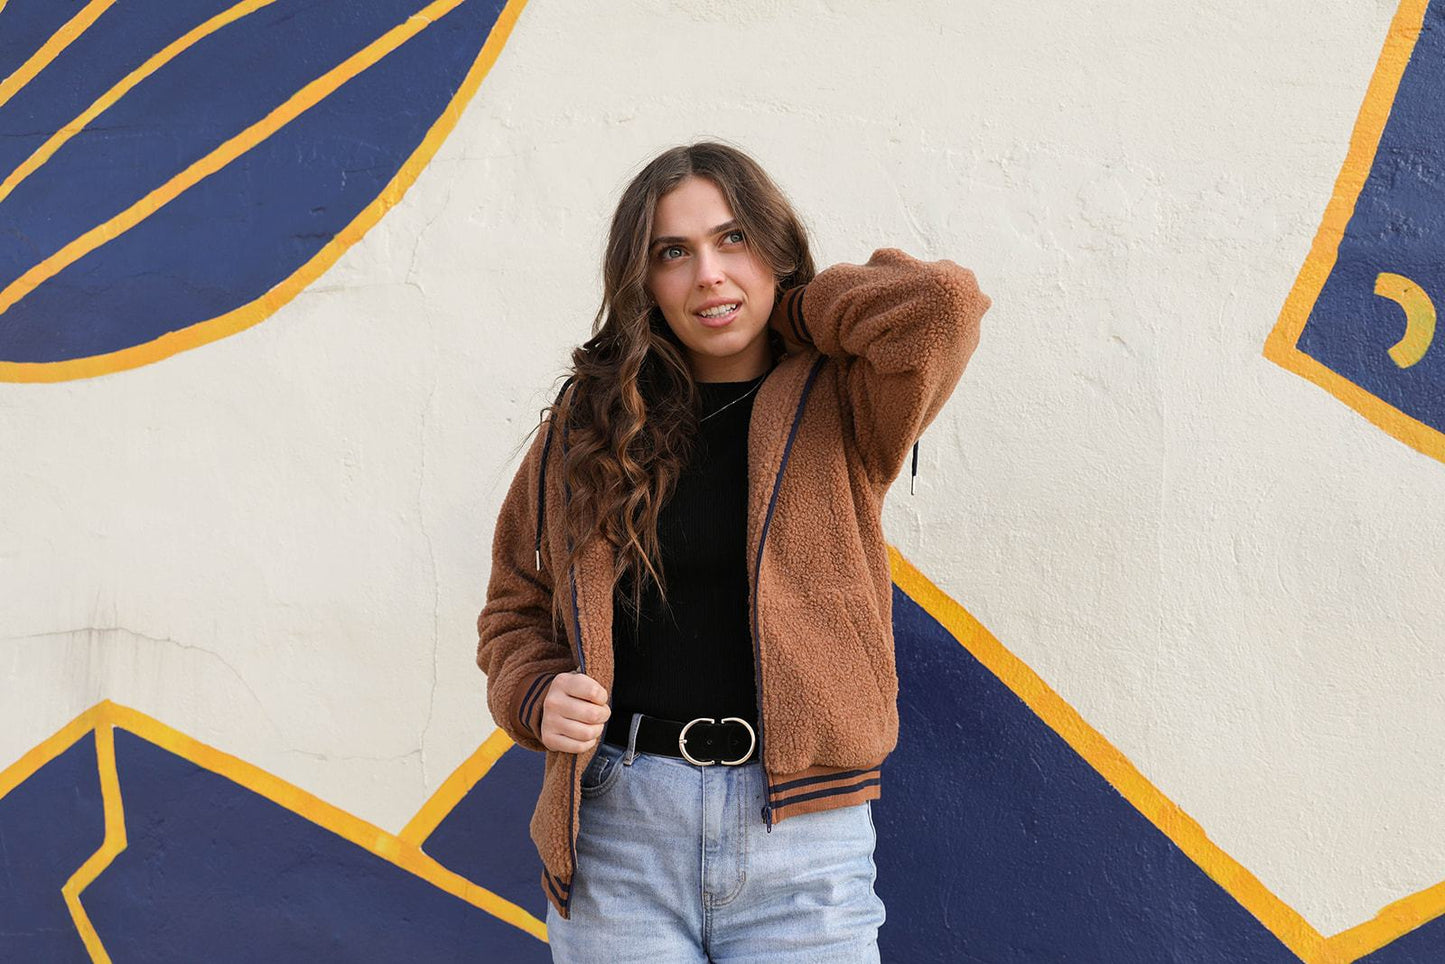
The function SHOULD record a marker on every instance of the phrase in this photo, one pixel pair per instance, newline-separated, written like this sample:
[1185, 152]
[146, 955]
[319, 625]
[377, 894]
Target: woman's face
[698, 260]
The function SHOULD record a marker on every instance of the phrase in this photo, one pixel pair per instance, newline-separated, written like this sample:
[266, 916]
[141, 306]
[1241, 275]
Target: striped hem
[823, 788]
[559, 892]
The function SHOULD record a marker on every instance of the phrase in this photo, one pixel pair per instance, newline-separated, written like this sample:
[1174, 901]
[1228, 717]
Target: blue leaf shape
[235, 152]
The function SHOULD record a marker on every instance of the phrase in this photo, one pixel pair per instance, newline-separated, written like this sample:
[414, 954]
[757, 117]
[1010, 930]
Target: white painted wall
[279, 542]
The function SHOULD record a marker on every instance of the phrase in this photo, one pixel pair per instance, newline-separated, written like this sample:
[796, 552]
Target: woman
[690, 601]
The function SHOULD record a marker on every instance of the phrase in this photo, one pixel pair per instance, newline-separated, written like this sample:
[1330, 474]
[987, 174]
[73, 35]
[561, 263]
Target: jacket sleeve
[518, 647]
[902, 331]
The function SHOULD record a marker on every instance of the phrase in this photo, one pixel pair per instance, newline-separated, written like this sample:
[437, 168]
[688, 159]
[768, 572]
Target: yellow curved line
[245, 316]
[1419, 317]
[113, 843]
[294, 106]
[62, 38]
[108, 99]
[1280, 346]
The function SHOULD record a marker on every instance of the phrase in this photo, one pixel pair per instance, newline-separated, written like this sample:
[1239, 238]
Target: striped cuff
[529, 707]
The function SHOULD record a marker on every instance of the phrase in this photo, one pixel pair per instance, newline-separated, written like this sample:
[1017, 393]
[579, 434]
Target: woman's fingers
[579, 730]
[581, 686]
[566, 745]
[574, 713]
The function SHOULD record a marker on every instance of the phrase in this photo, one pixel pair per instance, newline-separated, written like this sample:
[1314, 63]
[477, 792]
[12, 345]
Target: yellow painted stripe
[1279, 347]
[403, 850]
[455, 787]
[1281, 920]
[48, 749]
[52, 48]
[244, 317]
[1391, 923]
[401, 853]
[294, 106]
[113, 843]
[1396, 919]
[106, 100]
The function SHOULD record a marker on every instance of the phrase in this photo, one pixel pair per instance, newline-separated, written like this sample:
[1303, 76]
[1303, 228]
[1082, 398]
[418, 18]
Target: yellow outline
[70, 32]
[120, 88]
[394, 848]
[454, 787]
[404, 849]
[113, 843]
[1279, 347]
[1296, 933]
[239, 319]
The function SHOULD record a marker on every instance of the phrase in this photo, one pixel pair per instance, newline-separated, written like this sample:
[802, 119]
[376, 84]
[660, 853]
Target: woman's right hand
[574, 712]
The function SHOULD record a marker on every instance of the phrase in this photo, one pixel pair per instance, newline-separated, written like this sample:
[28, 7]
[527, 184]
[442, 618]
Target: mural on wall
[1013, 832]
[1034, 840]
[1360, 321]
[158, 191]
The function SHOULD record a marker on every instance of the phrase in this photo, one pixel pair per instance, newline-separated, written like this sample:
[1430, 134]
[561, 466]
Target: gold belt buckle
[682, 742]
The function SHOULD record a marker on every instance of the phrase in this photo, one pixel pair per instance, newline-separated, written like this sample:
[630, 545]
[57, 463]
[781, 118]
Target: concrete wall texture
[1168, 595]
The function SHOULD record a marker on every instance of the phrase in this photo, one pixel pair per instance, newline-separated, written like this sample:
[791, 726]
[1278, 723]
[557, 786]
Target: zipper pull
[914, 474]
[768, 817]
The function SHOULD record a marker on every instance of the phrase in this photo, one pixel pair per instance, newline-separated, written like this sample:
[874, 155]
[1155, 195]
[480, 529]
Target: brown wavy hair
[630, 416]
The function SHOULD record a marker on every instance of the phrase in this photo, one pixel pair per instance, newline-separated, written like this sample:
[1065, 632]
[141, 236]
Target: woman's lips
[720, 320]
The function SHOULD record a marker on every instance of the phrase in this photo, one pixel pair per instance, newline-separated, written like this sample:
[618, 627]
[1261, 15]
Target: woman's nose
[709, 269]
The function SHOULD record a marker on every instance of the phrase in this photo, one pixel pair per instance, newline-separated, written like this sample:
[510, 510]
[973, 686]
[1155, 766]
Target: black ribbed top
[696, 659]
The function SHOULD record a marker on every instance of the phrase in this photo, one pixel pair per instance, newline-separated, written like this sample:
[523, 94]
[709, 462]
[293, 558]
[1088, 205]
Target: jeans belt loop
[632, 740]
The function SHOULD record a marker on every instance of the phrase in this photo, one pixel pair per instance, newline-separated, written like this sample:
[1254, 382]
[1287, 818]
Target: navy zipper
[758, 587]
[581, 655]
[581, 661]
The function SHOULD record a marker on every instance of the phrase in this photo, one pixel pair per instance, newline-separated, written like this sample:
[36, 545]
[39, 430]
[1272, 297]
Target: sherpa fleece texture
[880, 348]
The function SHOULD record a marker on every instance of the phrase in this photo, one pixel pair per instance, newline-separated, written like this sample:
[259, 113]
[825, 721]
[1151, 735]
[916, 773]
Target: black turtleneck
[695, 658]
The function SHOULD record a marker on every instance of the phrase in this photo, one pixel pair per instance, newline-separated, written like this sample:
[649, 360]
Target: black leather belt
[703, 741]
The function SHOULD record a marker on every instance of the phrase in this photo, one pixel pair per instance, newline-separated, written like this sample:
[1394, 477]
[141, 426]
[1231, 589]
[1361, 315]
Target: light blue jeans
[675, 866]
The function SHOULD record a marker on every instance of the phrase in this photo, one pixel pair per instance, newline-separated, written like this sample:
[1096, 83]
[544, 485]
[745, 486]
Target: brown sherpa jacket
[883, 345]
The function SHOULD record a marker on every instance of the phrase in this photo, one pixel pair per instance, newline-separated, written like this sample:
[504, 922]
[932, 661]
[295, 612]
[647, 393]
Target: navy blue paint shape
[1398, 226]
[486, 837]
[216, 872]
[998, 843]
[242, 231]
[49, 826]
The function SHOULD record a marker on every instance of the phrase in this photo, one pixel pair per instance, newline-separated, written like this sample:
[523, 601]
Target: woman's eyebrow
[675, 239]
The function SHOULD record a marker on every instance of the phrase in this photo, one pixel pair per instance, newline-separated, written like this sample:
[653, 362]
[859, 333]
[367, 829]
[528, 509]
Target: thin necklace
[736, 400]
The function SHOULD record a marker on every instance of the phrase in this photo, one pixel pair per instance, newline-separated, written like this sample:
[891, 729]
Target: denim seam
[742, 849]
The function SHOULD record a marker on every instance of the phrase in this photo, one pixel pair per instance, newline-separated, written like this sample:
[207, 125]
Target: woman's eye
[663, 253]
[738, 233]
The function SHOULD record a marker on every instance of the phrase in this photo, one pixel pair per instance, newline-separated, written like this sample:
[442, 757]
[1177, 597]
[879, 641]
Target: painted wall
[283, 285]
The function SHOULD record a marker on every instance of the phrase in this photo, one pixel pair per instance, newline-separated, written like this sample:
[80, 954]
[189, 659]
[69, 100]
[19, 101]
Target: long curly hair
[631, 415]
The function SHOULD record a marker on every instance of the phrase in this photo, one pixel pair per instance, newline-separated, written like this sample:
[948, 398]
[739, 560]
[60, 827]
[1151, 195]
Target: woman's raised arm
[902, 330]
